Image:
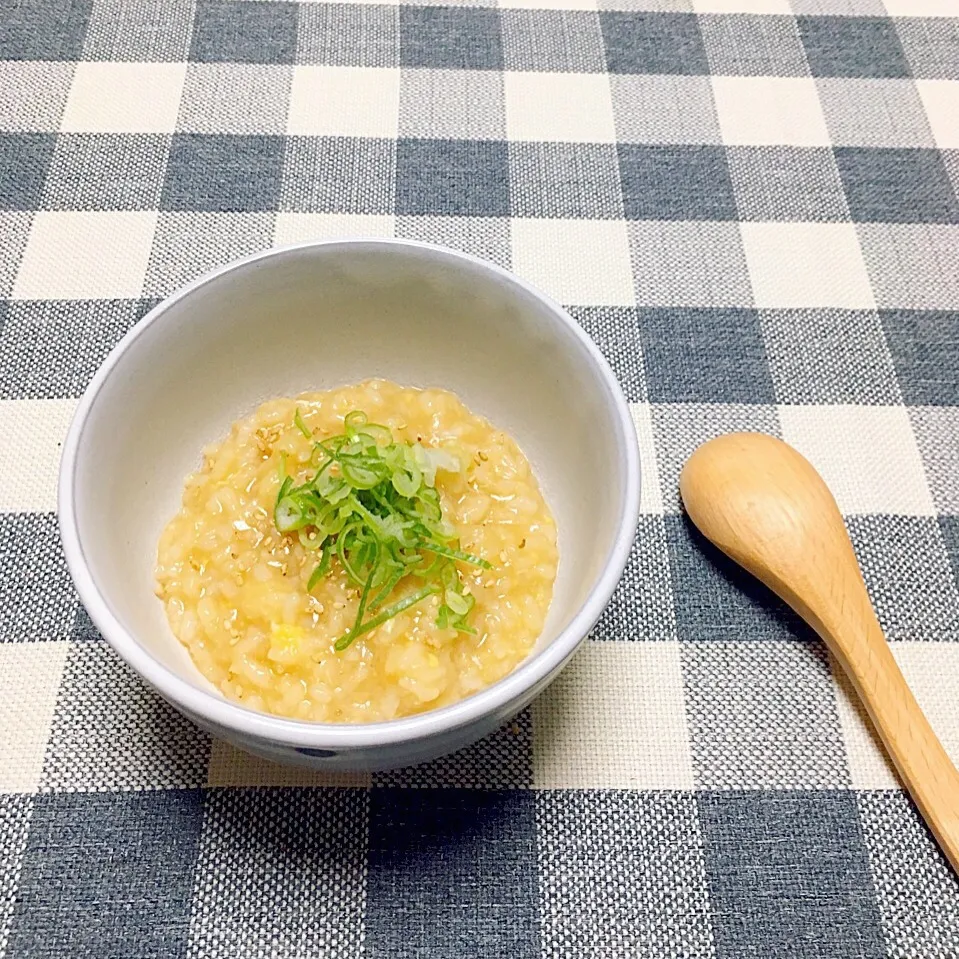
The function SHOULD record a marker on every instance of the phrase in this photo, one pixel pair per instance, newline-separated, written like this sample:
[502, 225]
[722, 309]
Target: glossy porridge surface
[235, 589]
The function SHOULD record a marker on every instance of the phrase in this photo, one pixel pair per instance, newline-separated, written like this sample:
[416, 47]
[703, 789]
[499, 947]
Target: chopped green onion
[387, 614]
[457, 554]
[288, 515]
[300, 425]
[372, 503]
[322, 569]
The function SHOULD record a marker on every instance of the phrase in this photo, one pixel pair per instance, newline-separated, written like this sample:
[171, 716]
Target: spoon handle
[763, 504]
[924, 766]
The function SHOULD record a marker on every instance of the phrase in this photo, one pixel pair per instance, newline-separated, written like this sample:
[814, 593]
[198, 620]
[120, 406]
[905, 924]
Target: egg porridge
[358, 555]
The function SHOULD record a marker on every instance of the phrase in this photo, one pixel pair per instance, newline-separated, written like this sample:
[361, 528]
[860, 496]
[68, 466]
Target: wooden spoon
[767, 508]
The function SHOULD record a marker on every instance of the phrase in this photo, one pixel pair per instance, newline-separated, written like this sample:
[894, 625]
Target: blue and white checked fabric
[751, 205]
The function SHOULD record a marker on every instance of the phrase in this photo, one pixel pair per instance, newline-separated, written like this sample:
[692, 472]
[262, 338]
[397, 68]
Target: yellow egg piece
[285, 643]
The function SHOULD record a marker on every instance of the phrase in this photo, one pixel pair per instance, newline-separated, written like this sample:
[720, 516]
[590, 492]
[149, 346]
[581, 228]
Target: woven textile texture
[752, 206]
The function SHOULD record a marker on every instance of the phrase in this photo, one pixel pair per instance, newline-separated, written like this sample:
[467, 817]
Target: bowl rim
[211, 706]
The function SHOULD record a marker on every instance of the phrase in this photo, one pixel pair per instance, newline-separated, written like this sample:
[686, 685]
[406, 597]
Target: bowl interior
[314, 317]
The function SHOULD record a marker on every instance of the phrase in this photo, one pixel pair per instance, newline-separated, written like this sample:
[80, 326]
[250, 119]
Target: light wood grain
[767, 508]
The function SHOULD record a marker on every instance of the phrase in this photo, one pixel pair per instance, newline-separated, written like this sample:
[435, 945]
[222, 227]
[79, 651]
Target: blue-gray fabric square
[916, 889]
[788, 875]
[566, 180]
[906, 568]
[452, 177]
[653, 43]
[451, 873]
[886, 185]
[139, 31]
[925, 351]
[763, 716]
[852, 47]
[15, 811]
[675, 183]
[753, 45]
[83, 630]
[465, 38]
[616, 332]
[501, 760]
[51, 348]
[949, 530]
[829, 356]
[705, 355]
[641, 607]
[931, 45]
[280, 873]
[786, 183]
[187, 245]
[43, 29]
[912, 266]
[348, 35]
[338, 175]
[37, 600]
[91, 856]
[566, 41]
[951, 159]
[487, 237]
[111, 732]
[258, 31]
[223, 173]
[24, 162]
[106, 172]
[621, 874]
[715, 599]
[678, 429]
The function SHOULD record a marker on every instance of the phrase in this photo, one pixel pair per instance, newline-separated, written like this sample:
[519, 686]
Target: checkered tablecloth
[751, 205]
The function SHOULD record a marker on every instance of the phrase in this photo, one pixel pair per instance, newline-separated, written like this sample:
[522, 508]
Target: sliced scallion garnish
[372, 503]
[300, 425]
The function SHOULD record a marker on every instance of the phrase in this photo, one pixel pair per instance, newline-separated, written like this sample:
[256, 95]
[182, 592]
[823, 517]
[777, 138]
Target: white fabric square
[940, 98]
[344, 101]
[806, 265]
[577, 262]
[29, 681]
[33, 433]
[301, 227]
[548, 4]
[769, 111]
[614, 719]
[866, 454]
[124, 98]
[564, 107]
[230, 766]
[929, 669]
[920, 8]
[81, 256]
[742, 6]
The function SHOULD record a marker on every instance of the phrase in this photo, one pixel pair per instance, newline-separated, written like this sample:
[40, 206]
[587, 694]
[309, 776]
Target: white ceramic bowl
[311, 317]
